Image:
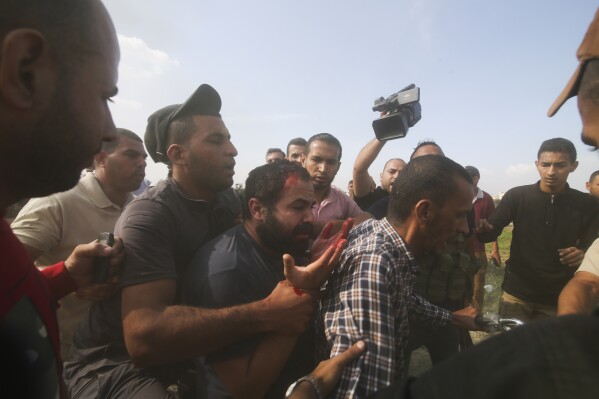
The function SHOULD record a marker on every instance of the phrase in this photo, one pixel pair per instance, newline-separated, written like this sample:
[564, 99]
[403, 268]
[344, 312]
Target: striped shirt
[371, 297]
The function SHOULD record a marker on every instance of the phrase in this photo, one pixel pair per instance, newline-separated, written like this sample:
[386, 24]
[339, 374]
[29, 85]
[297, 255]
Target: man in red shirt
[54, 116]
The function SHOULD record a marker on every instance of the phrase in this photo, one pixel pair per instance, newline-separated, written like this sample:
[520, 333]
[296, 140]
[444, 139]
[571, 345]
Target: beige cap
[589, 49]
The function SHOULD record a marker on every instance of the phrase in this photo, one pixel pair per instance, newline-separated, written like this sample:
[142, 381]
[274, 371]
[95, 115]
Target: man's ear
[177, 154]
[424, 211]
[256, 209]
[588, 186]
[100, 158]
[26, 69]
[574, 166]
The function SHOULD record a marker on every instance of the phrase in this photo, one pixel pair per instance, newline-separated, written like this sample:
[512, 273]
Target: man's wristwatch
[307, 378]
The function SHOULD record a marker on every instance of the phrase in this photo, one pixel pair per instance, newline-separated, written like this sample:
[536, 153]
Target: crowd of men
[291, 289]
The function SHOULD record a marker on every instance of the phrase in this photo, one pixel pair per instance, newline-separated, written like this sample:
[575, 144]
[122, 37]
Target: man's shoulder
[339, 193]
[374, 238]
[581, 196]
[487, 196]
[57, 200]
[230, 200]
[217, 252]
[156, 199]
[527, 191]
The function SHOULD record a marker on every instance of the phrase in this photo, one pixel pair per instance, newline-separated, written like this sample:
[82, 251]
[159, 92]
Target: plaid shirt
[370, 297]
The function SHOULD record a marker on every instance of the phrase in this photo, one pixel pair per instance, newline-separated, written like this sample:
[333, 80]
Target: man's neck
[321, 193]
[552, 190]
[411, 234]
[191, 189]
[250, 228]
[115, 196]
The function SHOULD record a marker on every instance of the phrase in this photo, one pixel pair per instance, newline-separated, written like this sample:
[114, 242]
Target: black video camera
[402, 111]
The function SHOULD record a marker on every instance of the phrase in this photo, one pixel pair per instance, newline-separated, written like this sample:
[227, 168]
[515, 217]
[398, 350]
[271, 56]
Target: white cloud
[138, 60]
[520, 169]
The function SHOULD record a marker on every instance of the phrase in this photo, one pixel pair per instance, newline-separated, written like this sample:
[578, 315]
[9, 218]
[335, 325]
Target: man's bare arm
[365, 158]
[157, 332]
[251, 376]
[580, 294]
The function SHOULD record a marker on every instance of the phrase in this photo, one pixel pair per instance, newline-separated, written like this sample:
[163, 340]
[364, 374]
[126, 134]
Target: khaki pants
[512, 307]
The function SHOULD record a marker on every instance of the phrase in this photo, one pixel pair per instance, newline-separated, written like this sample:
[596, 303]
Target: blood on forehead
[291, 181]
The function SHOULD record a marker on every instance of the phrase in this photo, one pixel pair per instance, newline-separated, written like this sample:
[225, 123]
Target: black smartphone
[102, 264]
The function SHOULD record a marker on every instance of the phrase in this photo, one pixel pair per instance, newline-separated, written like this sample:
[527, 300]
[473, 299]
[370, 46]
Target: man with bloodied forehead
[245, 264]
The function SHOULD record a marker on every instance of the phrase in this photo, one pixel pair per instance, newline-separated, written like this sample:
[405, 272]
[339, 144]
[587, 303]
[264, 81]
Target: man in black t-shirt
[245, 264]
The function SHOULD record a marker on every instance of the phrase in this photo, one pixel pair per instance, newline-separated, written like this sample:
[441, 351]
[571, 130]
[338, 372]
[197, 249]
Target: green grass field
[494, 275]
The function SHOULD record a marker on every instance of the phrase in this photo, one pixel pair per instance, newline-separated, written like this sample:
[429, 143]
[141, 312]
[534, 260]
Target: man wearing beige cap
[582, 292]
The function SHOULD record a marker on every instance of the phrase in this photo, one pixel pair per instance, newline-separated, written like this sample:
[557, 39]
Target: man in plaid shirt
[370, 297]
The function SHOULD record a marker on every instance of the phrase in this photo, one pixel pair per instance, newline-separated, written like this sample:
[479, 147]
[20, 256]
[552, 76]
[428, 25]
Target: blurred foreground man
[581, 294]
[58, 69]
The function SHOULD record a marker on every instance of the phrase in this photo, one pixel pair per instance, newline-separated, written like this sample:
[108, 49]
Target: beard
[273, 236]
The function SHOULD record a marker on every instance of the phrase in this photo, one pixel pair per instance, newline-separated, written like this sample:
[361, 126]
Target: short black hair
[266, 183]
[109, 146]
[472, 171]
[271, 150]
[593, 175]
[560, 145]
[297, 141]
[427, 177]
[327, 138]
[422, 144]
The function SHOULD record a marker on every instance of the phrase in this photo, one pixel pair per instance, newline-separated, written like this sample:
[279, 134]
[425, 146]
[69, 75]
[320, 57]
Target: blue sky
[488, 72]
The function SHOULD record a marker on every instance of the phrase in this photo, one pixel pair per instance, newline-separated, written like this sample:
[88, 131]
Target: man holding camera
[54, 116]
[364, 195]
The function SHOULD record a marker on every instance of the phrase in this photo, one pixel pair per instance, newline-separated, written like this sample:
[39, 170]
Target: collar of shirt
[96, 194]
[479, 195]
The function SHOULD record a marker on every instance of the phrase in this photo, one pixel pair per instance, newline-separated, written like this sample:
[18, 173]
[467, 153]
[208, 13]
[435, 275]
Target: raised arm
[365, 158]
